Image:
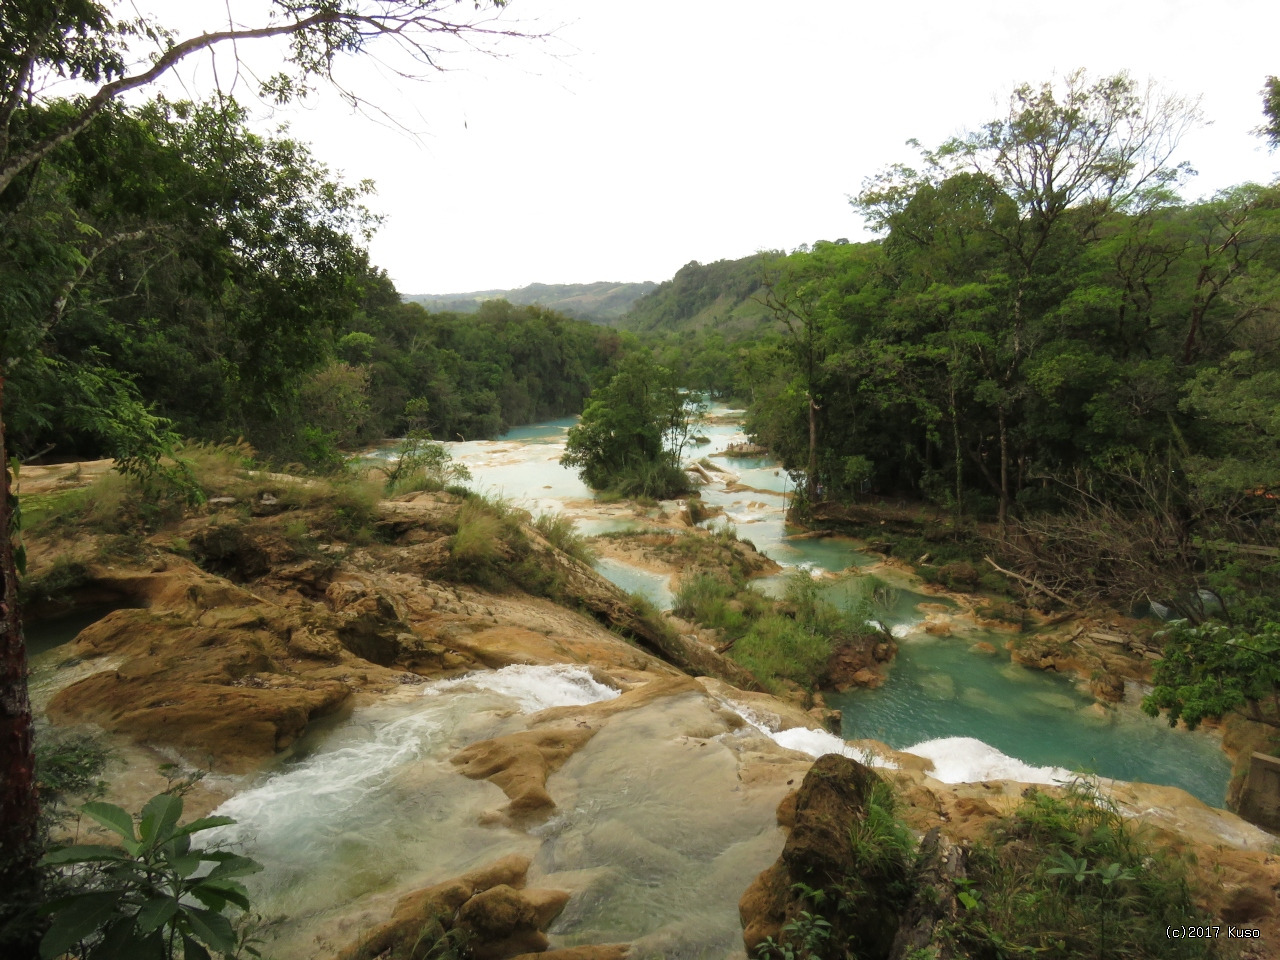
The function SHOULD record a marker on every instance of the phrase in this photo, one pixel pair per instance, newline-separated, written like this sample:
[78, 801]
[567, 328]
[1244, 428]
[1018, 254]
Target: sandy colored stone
[416, 910]
[762, 908]
[520, 762]
[970, 807]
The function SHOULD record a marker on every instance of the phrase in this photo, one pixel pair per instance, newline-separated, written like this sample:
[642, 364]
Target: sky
[634, 138]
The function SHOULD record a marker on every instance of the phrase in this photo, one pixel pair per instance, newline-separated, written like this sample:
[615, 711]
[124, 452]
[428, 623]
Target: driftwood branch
[1032, 583]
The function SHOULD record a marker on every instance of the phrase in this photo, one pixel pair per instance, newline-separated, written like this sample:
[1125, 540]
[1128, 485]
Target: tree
[1066, 156]
[19, 813]
[820, 296]
[82, 40]
[1271, 110]
[633, 431]
[1214, 669]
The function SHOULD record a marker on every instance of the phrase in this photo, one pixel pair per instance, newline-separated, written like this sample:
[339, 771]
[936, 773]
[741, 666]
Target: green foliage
[1271, 110]
[633, 432]
[113, 504]
[1002, 330]
[777, 648]
[436, 941]
[807, 937]
[560, 532]
[476, 374]
[857, 912]
[167, 257]
[421, 464]
[490, 549]
[790, 640]
[68, 765]
[151, 896]
[1066, 878]
[712, 601]
[721, 295]
[1214, 669]
[477, 547]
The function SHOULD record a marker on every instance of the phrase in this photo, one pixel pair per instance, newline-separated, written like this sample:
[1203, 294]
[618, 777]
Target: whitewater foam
[969, 760]
[815, 743]
[306, 796]
[534, 688]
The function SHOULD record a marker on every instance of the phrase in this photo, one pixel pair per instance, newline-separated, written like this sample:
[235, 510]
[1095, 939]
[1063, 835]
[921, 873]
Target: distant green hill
[723, 296]
[600, 302]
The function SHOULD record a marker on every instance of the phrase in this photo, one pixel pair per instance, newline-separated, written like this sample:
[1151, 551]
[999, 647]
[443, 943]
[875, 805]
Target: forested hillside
[169, 272]
[1047, 334]
[724, 296]
[602, 303]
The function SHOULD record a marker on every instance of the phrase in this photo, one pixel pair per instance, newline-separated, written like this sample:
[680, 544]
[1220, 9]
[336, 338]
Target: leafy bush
[1214, 669]
[814, 613]
[67, 765]
[106, 505]
[490, 549]
[421, 464]
[149, 897]
[710, 600]
[476, 548]
[650, 481]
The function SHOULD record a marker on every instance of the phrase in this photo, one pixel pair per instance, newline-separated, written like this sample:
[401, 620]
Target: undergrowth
[1069, 877]
[788, 640]
[489, 548]
[1064, 877]
[560, 532]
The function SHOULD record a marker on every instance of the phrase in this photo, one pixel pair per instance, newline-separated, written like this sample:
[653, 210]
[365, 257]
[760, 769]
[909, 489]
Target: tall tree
[1271, 110]
[633, 432]
[1067, 156]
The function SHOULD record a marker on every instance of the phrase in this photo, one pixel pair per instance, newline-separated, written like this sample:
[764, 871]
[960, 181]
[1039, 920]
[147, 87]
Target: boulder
[820, 853]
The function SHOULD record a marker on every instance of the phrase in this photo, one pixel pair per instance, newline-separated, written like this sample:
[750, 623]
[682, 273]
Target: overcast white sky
[645, 135]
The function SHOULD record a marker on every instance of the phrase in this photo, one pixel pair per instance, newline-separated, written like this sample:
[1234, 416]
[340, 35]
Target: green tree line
[170, 271]
[1049, 337]
[1042, 302]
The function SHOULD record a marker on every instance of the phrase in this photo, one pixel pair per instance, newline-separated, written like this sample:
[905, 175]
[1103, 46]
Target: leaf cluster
[154, 896]
[1213, 669]
[1068, 877]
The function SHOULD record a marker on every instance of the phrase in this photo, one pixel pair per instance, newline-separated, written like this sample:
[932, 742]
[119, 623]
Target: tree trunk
[812, 479]
[959, 454]
[1004, 468]
[19, 875]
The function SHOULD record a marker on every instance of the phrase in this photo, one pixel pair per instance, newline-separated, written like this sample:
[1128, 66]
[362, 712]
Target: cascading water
[1040, 721]
[372, 801]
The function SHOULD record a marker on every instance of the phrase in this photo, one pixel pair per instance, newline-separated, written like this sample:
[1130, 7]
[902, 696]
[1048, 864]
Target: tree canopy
[633, 432]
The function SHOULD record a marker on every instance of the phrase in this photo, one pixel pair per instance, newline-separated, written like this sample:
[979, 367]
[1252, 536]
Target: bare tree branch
[320, 37]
